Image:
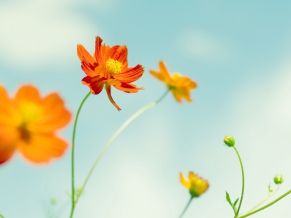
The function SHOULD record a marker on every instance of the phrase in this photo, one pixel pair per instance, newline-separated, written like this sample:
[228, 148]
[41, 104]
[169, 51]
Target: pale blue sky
[238, 52]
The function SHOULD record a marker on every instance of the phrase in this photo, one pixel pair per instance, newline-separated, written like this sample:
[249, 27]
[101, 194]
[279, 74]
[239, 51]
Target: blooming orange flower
[108, 66]
[180, 86]
[28, 124]
[195, 184]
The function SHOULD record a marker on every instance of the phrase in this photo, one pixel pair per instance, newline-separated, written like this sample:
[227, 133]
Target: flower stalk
[183, 212]
[73, 196]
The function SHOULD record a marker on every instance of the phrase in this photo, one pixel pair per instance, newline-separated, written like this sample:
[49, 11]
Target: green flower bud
[270, 189]
[229, 141]
[278, 179]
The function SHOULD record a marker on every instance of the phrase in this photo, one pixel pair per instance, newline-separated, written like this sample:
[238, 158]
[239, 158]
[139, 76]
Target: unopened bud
[278, 179]
[270, 189]
[229, 141]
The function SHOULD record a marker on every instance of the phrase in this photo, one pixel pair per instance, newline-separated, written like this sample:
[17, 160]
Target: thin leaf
[228, 198]
[235, 202]
[234, 207]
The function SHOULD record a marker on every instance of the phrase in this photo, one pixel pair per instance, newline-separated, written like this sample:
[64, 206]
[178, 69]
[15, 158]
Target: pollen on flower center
[113, 66]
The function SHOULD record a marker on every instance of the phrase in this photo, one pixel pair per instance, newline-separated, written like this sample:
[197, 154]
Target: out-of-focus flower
[108, 66]
[179, 85]
[195, 184]
[28, 124]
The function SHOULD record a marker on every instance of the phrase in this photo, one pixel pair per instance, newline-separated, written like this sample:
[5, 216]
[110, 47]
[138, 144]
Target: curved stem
[73, 154]
[266, 206]
[243, 182]
[123, 126]
[266, 198]
[186, 208]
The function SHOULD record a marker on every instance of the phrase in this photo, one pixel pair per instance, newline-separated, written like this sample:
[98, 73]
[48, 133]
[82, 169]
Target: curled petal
[108, 90]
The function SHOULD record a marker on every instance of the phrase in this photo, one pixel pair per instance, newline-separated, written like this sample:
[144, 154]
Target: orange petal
[95, 84]
[108, 90]
[159, 76]
[130, 74]
[84, 55]
[8, 136]
[177, 96]
[41, 148]
[5, 103]
[27, 93]
[118, 53]
[184, 182]
[97, 54]
[6, 152]
[55, 115]
[127, 87]
[88, 69]
[164, 71]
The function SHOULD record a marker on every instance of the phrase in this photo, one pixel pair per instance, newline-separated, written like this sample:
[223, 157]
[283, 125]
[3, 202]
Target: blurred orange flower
[195, 184]
[108, 66]
[180, 86]
[28, 124]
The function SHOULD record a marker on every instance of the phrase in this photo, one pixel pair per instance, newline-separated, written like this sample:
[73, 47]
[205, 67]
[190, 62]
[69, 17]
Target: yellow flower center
[30, 112]
[113, 67]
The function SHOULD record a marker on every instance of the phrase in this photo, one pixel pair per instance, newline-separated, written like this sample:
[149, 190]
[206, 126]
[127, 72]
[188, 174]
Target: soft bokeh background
[239, 52]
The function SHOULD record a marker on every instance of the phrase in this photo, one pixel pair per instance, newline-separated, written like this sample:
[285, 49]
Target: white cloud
[36, 32]
[203, 46]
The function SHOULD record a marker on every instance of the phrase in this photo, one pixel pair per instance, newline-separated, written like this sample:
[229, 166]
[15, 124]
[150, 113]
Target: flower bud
[229, 141]
[270, 189]
[278, 179]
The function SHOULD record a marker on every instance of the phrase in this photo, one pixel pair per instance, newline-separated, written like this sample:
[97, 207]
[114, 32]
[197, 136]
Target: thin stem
[73, 154]
[1, 216]
[243, 182]
[123, 126]
[186, 208]
[266, 206]
[266, 198]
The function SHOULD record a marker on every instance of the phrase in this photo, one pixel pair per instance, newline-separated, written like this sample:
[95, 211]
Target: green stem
[73, 155]
[1, 216]
[123, 126]
[266, 198]
[186, 208]
[243, 182]
[266, 206]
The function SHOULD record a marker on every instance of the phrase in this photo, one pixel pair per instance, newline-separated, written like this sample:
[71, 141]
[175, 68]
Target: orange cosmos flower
[108, 66]
[180, 86]
[195, 184]
[28, 124]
